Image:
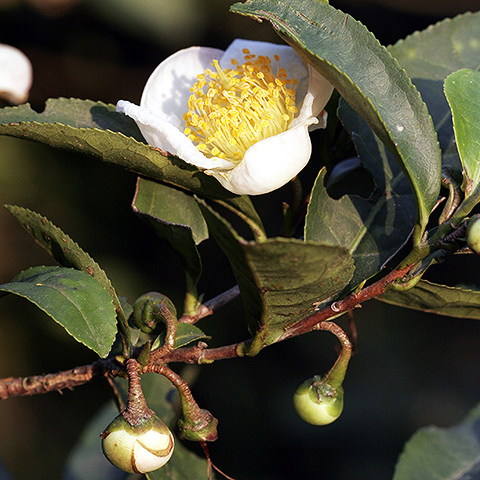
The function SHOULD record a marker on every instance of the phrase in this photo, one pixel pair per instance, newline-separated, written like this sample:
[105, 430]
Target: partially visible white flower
[15, 75]
[242, 115]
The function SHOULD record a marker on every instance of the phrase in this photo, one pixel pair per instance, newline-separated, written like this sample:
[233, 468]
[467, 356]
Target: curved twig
[21, 386]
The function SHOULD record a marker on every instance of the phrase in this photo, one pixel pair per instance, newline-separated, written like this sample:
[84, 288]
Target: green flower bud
[317, 402]
[151, 308]
[138, 448]
[202, 429]
[473, 234]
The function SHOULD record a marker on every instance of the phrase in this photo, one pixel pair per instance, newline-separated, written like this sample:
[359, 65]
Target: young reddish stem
[137, 410]
[12, 387]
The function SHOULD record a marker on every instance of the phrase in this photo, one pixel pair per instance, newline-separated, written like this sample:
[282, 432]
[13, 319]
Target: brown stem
[137, 410]
[196, 424]
[214, 304]
[13, 387]
[171, 326]
[342, 306]
[55, 382]
[177, 380]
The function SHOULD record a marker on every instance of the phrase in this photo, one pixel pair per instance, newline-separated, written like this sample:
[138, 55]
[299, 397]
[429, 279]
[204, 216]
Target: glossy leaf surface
[96, 129]
[372, 229]
[172, 206]
[429, 57]
[281, 280]
[369, 79]
[440, 299]
[74, 300]
[65, 251]
[175, 216]
[443, 453]
[186, 334]
[462, 89]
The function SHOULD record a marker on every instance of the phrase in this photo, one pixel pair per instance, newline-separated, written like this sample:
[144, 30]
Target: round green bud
[137, 448]
[201, 429]
[151, 308]
[473, 234]
[317, 402]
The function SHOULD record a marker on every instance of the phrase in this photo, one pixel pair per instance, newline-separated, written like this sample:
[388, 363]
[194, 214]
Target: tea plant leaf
[443, 453]
[96, 129]
[281, 280]
[184, 465]
[186, 334]
[462, 91]
[373, 229]
[171, 205]
[429, 57]
[66, 252]
[87, 456]
[175, 216]
[439, 299]
[369, 79]
[74, 300]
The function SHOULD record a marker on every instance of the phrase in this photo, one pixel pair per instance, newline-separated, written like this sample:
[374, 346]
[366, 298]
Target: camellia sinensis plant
[216, 128]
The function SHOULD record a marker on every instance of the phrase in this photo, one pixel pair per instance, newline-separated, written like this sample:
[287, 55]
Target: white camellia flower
[242, 115]
[15, 75]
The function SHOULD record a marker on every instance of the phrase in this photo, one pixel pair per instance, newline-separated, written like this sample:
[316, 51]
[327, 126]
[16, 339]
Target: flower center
[232, 109]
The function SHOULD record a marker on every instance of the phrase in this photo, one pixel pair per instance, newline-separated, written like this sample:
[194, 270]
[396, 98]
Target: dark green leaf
[443, 453]
[369, 79]
[172, 206]
[462, 89]
[429, 57]
[440, 299]
[175, 216]
[74, 300]
[186, 334]
[372, 229]
[65, 251]
[281, 280]
[98, 130]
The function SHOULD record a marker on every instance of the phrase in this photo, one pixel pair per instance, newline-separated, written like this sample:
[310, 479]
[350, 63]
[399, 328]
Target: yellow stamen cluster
[231, 109]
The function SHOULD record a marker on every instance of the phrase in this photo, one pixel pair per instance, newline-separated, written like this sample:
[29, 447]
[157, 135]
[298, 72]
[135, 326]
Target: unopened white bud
[138, 449]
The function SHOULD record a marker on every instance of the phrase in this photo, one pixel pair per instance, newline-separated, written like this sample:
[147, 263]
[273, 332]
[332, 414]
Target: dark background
[412, 369]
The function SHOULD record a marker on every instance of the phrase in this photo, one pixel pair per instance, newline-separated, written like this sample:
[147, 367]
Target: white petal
[162, 134]
[146, 460]
[168, 88]
[321, 90]
[15, 74]
[270, 163]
